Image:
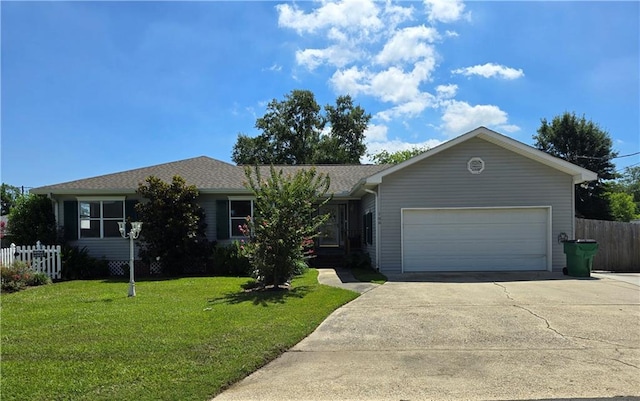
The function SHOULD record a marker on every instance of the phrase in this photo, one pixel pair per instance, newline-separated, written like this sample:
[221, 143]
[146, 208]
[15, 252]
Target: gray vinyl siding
[115, 249]
[107, 248]
[443, 180]
[369, 205]
[208, 203]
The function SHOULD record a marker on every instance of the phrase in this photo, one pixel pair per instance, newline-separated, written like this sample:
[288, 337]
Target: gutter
[377, 266]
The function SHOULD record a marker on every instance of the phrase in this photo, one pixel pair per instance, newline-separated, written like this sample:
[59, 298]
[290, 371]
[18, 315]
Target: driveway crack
[506, 292]
[623, 362]
[543, 319]
[567, 336]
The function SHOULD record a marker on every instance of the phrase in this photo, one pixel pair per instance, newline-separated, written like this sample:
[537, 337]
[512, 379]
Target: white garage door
[493, 239]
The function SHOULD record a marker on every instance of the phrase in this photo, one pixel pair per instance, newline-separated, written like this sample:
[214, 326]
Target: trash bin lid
[587, 241]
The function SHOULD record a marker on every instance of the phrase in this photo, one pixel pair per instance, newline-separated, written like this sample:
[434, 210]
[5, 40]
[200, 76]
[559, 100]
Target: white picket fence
[41, 258]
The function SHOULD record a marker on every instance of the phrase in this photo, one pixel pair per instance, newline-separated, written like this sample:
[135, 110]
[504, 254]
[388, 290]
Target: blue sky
[91, 88]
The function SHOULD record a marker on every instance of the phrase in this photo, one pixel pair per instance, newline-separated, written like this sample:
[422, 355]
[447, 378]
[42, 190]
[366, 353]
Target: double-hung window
[99, 217]
[239, 210]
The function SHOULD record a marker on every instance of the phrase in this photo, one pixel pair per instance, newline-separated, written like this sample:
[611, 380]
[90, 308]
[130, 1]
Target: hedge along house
[479, 202]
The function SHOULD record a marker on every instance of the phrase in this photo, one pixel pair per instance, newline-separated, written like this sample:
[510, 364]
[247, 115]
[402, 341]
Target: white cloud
[394, 14]
[338, 56]
[376, 133]
[351, 81]
[408, 44]
[411, 108]
[444, 10]
[446, 91]
[460, 117]
[375, 50]
[391, 85]
[353, 15]
[490, 70]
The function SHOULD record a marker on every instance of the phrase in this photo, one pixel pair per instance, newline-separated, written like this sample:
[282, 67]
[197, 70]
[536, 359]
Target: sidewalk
[343, 278]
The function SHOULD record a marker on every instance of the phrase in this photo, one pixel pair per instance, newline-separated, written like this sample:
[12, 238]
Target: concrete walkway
[343, 278]
[482, 337]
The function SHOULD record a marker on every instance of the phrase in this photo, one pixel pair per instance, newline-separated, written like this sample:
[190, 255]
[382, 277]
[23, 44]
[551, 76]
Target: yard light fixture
[136, 227]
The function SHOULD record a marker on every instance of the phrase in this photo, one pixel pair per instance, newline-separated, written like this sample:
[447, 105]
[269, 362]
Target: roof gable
[579, 174]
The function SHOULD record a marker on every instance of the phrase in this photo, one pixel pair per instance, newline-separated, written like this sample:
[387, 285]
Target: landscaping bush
[78, 264]
[285, 223]
[173, 226]
[229, 261]
[19, 275]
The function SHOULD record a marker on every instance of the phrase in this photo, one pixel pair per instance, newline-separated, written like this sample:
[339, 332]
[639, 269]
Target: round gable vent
[475, 165]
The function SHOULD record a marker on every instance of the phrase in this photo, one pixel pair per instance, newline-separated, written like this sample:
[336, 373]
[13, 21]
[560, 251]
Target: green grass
[369, 276]
[179, 339]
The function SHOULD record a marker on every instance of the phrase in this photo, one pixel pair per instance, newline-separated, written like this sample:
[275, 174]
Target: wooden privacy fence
[618, 244]
[41, 258]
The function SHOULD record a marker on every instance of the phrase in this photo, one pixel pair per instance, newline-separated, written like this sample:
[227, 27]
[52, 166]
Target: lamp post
[136, 227]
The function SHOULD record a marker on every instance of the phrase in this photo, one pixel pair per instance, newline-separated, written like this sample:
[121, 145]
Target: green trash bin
[580, 255]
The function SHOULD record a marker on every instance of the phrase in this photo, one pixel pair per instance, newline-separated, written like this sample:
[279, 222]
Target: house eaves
[579, 174]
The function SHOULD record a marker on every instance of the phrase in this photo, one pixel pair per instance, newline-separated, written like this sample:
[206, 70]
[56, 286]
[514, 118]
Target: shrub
[285, 222]
[31, 220]
[19, 275]
[39, 278]
[229, 261]
[78, 264]
[173, 225]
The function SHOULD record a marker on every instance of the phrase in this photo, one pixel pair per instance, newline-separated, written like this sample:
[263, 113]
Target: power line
[631, 154]
[607, 158]
[624, 168]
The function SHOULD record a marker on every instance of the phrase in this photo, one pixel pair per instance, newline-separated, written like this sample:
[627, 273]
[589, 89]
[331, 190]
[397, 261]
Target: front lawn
[179, 339]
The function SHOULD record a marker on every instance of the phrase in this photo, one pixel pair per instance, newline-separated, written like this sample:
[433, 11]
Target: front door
[331, 230]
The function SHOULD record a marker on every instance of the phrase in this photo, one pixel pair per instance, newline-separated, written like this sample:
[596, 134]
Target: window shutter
[130, 213]
[222, 219]
[369, 225]
[70, 220]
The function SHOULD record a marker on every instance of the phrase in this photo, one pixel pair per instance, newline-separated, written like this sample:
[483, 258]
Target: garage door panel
[480, 248]
[475, 239]
[493, 232]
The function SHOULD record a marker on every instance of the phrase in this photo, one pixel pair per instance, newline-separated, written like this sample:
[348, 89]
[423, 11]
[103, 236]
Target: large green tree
[293, 132]
[344, 143]
[173, 229]
[385, 157]
[584, 143]
[285, 222]
[629, 182]
[32, 219]
[10, 195]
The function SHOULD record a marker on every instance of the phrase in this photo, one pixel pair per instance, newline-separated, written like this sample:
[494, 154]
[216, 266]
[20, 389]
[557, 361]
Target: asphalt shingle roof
[207, 174]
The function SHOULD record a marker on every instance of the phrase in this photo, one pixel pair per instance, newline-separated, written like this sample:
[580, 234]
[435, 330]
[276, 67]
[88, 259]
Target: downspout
[377, 228]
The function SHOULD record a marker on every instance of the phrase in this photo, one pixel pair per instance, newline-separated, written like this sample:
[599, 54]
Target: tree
[344, 144]
[32, 220]
[629, 183]
[292, 133]
[384, 157]
[585, 144]
[10, 195]
[285, 222]
[173, 227]
[622, 206]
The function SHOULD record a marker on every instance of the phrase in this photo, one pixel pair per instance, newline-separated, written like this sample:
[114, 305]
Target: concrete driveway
[466, 337]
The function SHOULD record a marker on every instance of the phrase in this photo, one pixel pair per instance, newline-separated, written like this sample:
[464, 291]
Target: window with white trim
[99, 218]
[239, 210]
